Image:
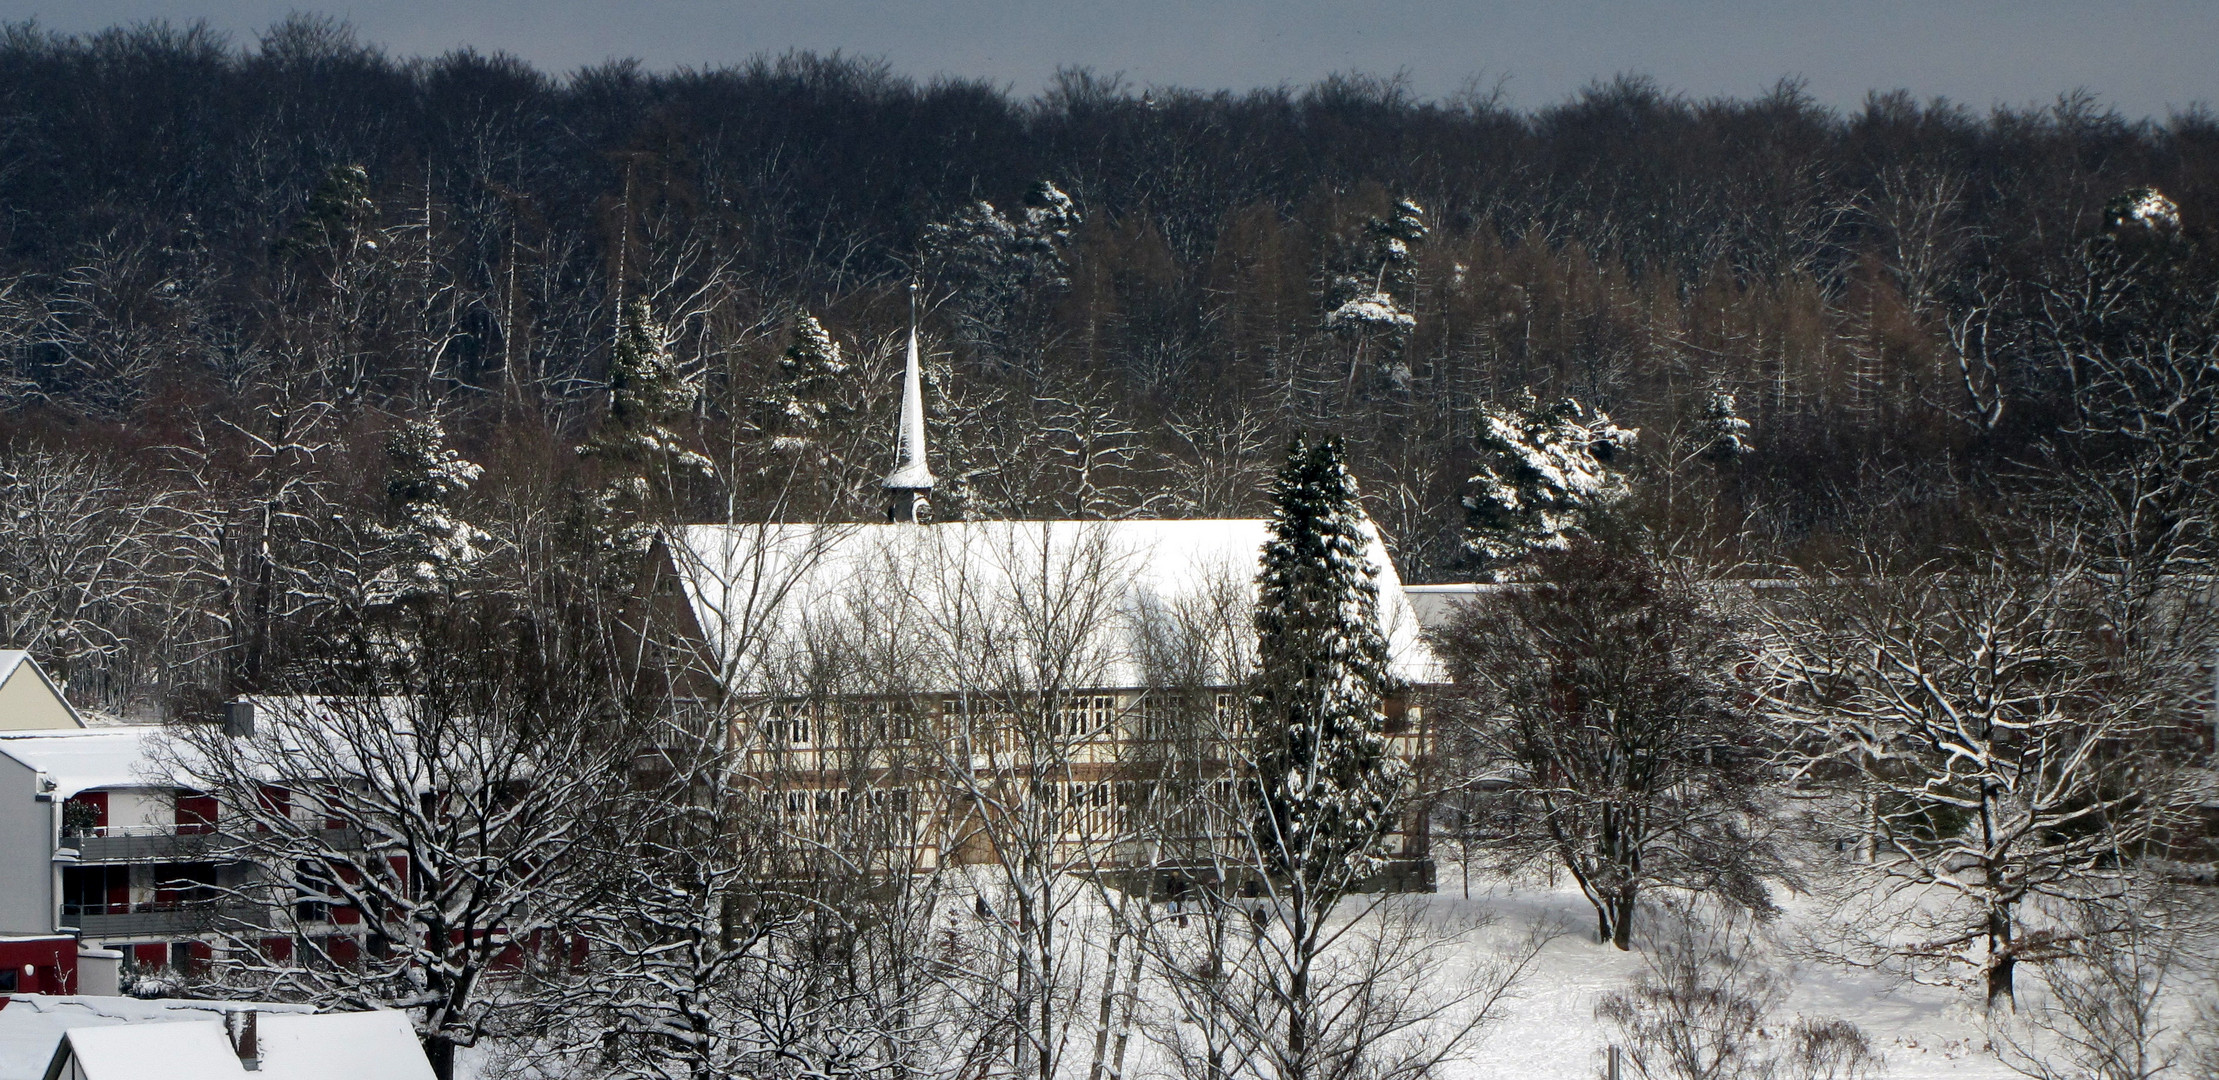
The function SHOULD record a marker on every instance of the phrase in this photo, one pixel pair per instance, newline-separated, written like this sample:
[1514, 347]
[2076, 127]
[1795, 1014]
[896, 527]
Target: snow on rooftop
[332, 1046]
[758, 588]
[85, 759]
[32, 1024]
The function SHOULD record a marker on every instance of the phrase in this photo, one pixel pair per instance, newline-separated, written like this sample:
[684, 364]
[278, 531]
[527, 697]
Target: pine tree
[1328, 788]
[1724, 435]
[798, 407]
[646, 461]
[1546, 473]
[431, 546]
[1004, 271]
[1375, 294]
[339, 215]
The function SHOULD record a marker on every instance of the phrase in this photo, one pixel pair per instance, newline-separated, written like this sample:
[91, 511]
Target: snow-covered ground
[1550, 1031]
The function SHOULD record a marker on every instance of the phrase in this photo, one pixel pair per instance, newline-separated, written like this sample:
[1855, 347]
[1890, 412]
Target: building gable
[29, 701]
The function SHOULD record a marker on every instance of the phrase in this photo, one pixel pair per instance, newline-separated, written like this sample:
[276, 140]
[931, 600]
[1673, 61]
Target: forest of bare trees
[230, 268]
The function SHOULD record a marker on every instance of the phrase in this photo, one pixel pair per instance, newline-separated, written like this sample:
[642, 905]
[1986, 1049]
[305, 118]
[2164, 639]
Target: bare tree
[2115, 1007]
[2000, 744]
[1598, 721]
[416, 826]
[88, 553]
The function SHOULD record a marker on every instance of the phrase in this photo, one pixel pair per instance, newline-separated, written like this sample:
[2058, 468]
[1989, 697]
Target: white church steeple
[909, 486]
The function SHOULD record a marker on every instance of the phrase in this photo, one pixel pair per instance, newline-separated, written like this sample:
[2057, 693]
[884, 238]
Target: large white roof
[760, 591]
[331, 1046]
[82, 760]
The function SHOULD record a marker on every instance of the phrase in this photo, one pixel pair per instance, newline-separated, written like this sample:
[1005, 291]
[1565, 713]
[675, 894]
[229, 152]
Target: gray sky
[2144, 57]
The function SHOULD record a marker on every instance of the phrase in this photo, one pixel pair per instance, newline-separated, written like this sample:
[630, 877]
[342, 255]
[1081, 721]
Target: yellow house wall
[27, 703]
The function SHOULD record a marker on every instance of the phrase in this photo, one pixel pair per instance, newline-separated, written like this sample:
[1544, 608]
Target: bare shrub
[1704, 1005]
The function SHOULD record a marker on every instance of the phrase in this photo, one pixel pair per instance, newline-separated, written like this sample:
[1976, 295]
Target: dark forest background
[229, 269]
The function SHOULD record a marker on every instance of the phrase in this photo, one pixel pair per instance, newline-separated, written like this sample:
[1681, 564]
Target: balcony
[156, 843]
[100, 921]
[144, 843]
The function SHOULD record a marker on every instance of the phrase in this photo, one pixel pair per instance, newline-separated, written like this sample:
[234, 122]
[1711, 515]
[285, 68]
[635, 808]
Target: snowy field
[1550, 1032]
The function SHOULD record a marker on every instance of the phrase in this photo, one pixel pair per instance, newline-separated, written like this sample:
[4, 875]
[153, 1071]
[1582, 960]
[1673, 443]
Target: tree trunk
[1621, 931]
[441, 1052]
[2003, 960]
[1108, 1005]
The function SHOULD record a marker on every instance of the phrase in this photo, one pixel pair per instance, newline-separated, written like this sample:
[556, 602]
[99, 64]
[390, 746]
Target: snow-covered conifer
[1003, 268]
[1328, 788]
[1722, 433]
[1374, 296]
[646, 460]
[2141, 210]
[808, 375]
[431, 545]
[1545, 474]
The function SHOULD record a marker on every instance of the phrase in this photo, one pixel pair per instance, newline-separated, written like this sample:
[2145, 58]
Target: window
[1082, 715]
[310, 904]
[786, 723]
[95, 890]
[179, 884]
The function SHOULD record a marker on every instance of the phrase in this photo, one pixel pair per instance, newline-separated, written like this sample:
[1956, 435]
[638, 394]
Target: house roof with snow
[759, 592]
[331, 1046]
[29, 700]
[83, 760]
[32, 1025]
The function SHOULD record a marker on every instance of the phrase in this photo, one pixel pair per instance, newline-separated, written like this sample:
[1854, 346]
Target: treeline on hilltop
[231, 272]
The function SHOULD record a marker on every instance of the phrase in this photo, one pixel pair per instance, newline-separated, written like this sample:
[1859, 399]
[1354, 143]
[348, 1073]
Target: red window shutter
[275, 802]
[195, 813]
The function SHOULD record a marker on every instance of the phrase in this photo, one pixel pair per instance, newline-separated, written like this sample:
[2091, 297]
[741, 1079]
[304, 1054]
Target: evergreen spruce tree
[339, 215]
[1547, 473]
[432, 547]
[1724, 435]
[1328, 788]
[645, 461]
[801, 402]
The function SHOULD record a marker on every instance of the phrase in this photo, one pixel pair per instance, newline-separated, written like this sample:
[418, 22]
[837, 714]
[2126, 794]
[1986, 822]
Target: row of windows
[795, 722]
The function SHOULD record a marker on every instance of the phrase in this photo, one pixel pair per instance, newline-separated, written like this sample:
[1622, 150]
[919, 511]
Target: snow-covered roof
[760, 589]
[31, 1025]
[331, 1046]
[82, 760]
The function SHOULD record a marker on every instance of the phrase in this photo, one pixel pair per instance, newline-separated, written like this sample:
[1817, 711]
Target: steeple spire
[909, 486]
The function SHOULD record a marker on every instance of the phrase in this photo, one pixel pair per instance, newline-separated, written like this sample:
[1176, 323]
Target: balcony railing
[174, 919]
[148, 845]
[141, 843]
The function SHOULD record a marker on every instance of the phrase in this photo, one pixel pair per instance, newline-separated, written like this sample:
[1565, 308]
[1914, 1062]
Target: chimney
[909, 486]
[238, 719]
[239, 1026]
